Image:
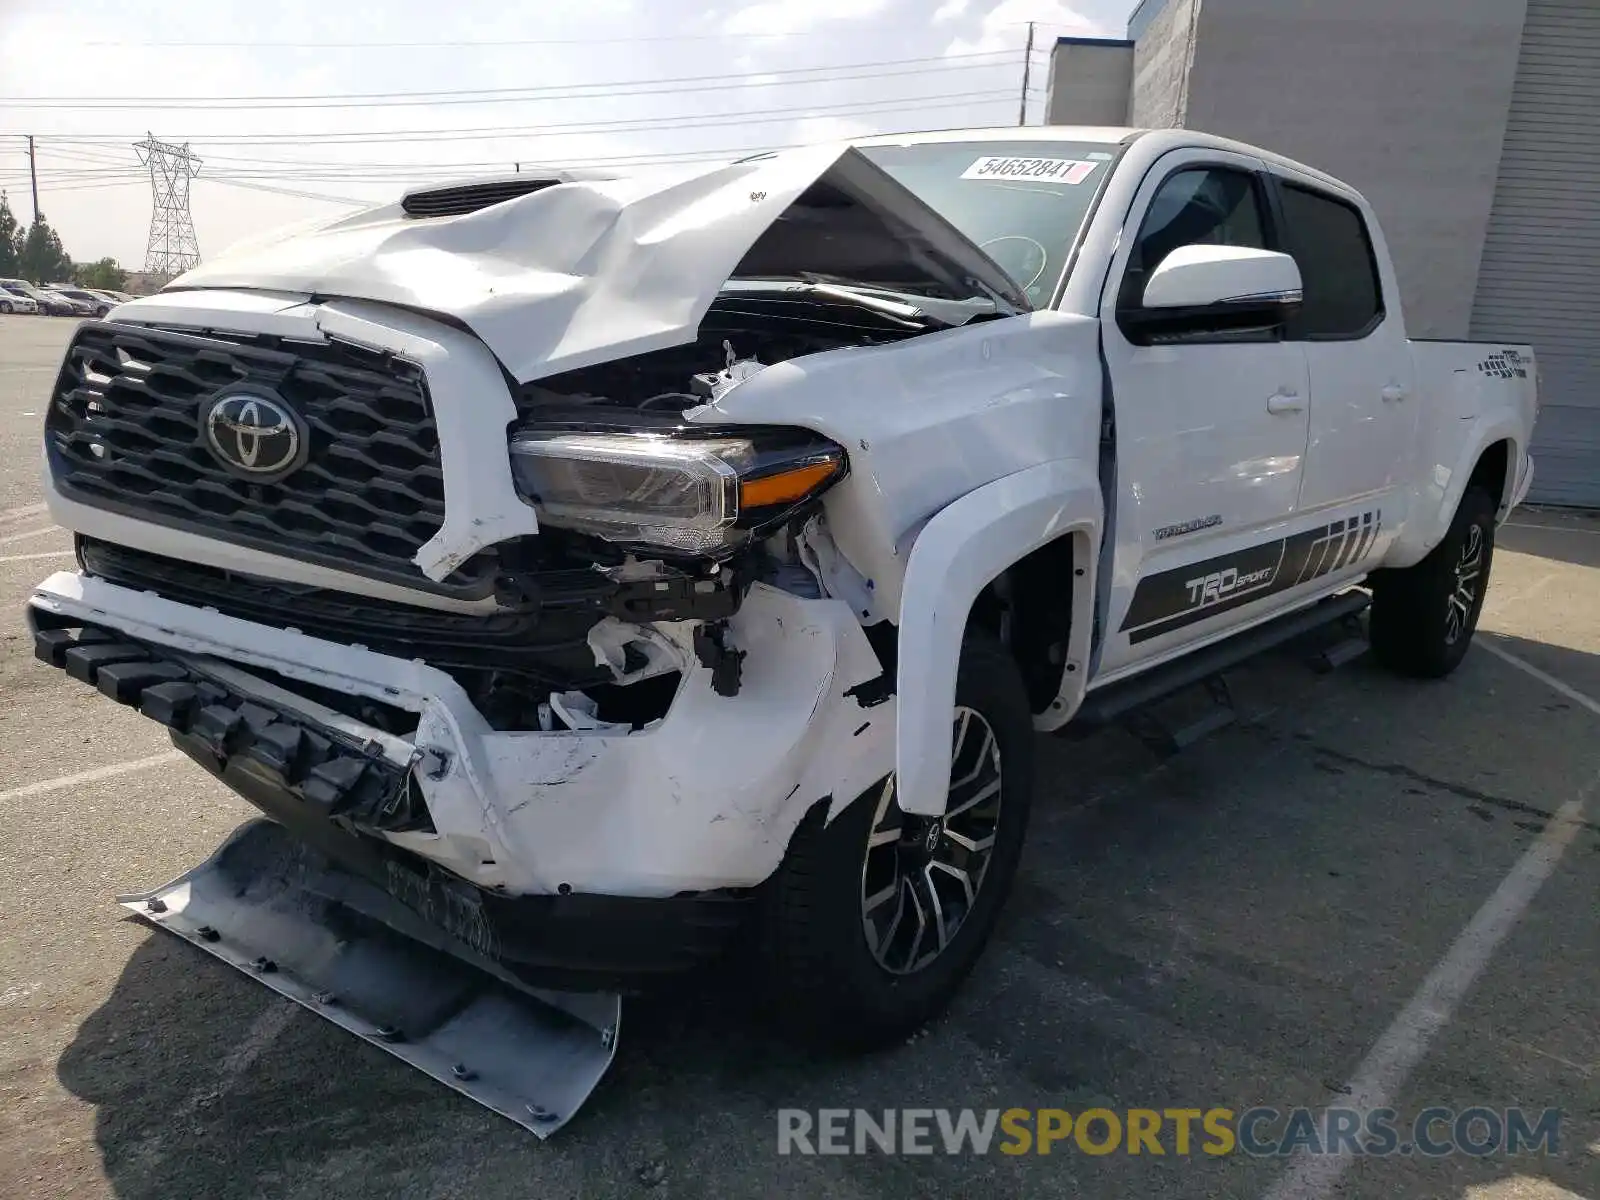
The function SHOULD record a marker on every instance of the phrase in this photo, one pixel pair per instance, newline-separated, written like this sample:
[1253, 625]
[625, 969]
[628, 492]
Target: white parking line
[1552, 528]
[1550, 681]
[32, 533]
[94, 776]
[1390, 1062]
[27, 510]
[31, 557]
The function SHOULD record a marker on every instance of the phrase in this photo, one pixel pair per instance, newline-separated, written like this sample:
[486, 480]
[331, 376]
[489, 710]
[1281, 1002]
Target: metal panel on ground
[1541, 260]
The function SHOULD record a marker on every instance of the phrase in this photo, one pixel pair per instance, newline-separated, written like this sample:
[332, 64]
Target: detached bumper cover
[267, 905]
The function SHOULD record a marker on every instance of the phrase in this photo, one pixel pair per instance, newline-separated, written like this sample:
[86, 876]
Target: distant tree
[10, 238]
[43, 259]
[103, 274]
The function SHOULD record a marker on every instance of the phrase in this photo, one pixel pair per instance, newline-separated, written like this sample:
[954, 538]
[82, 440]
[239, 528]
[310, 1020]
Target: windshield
[1022, 203]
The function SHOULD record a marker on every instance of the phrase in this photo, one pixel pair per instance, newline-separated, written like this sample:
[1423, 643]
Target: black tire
[826, 982]
[5, 306]
[1423, 616]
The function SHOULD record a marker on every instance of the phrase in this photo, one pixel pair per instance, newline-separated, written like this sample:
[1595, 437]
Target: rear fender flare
[960, 550]
[1444, 482]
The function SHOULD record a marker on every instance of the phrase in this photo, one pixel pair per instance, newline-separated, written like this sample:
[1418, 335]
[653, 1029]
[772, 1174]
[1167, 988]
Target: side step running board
[1118, 700]
[270, 906]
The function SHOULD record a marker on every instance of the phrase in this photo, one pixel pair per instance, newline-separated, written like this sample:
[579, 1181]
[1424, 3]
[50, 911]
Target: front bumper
[563, 833]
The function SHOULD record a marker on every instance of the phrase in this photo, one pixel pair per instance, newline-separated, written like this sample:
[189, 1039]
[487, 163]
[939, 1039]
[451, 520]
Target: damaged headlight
[699, 495]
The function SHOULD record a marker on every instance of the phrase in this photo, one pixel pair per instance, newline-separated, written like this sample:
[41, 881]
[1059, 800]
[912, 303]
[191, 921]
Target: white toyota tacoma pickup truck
[582, 570]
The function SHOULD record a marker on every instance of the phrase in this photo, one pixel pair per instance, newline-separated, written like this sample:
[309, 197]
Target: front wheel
[5, 306]
[1423, 616]
[873, 920]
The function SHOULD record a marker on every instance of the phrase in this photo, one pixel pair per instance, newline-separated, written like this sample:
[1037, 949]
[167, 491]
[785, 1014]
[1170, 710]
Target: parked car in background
[59, 304]
[13, 299]
[49, 302]
[112, 298]
[97, 305]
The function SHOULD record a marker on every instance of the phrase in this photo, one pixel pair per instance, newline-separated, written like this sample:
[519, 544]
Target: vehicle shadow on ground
[205, 1083]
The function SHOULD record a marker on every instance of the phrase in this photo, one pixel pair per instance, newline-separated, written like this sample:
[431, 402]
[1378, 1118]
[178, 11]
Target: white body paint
[969, 448]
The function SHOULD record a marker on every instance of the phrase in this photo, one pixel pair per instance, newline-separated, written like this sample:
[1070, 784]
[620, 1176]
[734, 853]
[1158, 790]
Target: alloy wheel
[1464, 593]
[921, 877]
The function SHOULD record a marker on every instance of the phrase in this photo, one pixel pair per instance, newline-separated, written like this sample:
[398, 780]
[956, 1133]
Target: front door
[1211, 428]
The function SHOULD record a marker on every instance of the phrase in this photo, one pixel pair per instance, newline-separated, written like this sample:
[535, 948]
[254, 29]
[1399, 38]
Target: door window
[1201, 206]
[1338, 269]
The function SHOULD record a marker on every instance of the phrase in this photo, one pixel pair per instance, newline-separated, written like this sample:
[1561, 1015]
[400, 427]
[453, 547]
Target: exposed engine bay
[741, 334]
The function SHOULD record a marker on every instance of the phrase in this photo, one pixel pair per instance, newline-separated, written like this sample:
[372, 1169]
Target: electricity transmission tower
[173, 247]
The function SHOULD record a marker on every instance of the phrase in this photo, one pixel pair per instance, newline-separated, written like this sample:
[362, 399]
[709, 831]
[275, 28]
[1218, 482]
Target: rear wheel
[1423, 616]
[874, 919]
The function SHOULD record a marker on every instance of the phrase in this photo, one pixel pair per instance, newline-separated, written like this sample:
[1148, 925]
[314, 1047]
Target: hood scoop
[458, 199]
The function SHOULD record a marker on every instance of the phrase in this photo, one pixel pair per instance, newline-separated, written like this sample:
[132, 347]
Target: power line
[574, 129]
[104, 161]
[496, 42]
[261, 187]
[920, 67]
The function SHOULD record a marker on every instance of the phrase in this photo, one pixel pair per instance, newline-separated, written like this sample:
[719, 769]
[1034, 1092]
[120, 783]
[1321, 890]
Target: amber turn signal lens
[786, 487]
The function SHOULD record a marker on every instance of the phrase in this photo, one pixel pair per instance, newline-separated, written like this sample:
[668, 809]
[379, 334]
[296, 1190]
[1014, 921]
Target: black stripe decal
[1184, 595]
[1347, 543]
[1369, 530]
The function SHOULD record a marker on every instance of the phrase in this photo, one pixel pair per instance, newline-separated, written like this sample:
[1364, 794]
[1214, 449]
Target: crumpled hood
[593, 270]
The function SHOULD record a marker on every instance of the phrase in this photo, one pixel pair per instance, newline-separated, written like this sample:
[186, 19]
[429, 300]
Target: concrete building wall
[1090, 82]
[1405, 99]
[1164, 40]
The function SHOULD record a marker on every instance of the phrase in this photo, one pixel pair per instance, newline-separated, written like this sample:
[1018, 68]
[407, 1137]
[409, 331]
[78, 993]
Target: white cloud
[688, 80]
[1004, 26]
[799, 16]
[950, 10]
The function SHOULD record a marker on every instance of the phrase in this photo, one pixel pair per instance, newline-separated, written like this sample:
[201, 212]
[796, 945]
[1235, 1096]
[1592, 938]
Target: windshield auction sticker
[1043, 170]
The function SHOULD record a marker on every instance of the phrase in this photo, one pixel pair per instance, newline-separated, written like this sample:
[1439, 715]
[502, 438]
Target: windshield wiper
[902, 306]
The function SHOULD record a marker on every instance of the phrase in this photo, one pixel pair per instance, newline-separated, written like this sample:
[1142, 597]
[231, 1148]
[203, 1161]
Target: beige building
[1469, 124]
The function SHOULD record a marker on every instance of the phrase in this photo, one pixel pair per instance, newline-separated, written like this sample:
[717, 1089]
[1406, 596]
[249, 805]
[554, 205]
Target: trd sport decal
[1202, 590]
[1507, 364]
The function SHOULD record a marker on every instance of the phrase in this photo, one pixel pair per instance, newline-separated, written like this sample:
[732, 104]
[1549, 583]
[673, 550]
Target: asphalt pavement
[1369, 892]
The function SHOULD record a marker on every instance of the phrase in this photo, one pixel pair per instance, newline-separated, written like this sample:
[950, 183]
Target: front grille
[546, 639]
[124, 432]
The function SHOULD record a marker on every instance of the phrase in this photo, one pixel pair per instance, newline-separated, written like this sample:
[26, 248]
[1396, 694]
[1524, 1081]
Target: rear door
[1211, 428]
[1363, 410]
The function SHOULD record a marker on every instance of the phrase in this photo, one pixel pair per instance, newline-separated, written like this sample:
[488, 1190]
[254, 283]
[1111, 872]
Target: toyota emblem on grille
[254, 433]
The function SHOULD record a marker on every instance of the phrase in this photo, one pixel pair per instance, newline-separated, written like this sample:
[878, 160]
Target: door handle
[1286, 402]
[1394, 393]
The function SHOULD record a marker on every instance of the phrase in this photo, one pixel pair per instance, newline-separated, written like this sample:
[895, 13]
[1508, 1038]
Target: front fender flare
[961, 549]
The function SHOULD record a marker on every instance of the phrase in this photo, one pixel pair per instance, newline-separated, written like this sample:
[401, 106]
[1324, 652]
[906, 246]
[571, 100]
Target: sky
[300, 109]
